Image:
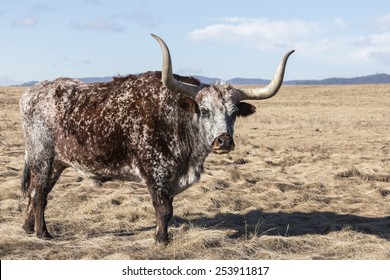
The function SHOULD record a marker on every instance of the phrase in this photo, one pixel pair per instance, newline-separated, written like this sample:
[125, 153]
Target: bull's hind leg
[29, 223]
[42, 181]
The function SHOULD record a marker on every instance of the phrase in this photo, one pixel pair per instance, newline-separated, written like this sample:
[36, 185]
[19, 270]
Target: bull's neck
[193, 153]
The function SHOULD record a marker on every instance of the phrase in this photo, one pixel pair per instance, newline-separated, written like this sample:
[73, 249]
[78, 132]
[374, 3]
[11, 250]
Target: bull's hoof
[163, 239]
[28, 229]
[44, 235]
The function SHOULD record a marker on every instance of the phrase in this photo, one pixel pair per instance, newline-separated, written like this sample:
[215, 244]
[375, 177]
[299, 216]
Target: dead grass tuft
[354, 172]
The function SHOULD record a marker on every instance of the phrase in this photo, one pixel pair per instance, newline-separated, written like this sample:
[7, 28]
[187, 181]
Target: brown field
[309, 179]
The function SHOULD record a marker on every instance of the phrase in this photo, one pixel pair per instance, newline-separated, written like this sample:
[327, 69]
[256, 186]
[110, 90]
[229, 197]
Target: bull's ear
[189, 105]
[245, 109]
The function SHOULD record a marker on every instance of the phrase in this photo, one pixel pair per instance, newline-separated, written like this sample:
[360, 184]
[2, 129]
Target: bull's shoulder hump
[55, 83]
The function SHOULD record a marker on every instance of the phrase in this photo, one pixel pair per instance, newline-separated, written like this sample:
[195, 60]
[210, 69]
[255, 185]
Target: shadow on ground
[259, 223]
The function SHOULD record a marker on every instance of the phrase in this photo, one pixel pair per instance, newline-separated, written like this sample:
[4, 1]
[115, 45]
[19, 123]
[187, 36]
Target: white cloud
[373, 48]
[382, 57]
[339, 23]
[33, 17]
[28, 21]
[262, 33]
[380, 39]
[381, 24]
[98, 24]
[330, 41]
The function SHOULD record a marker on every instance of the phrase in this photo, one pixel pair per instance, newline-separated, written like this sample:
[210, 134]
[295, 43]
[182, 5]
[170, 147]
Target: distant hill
[96, 79]
[371, 79]
[86, 80]
[243, 81]
[28, 84]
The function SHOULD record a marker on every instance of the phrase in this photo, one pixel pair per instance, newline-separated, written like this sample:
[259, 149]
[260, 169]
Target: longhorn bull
[156, 127]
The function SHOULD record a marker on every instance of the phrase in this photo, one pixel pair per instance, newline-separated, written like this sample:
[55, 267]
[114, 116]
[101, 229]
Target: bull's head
[218, 105]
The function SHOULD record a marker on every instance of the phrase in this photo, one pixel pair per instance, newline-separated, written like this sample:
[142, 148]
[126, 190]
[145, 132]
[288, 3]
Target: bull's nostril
[223, 144]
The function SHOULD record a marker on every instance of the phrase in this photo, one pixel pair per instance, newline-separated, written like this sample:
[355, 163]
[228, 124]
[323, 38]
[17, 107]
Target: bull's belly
[122, 173]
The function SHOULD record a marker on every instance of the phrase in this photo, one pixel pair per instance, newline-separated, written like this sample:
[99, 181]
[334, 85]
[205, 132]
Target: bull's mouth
[221, 151]
[223, 144]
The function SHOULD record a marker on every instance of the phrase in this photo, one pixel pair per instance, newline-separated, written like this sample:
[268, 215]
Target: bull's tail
[26, 178]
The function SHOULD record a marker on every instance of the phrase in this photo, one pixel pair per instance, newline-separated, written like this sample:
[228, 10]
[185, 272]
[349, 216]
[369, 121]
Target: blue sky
[43, 40]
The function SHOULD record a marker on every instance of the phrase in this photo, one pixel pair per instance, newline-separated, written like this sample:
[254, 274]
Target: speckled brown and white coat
[132, 128]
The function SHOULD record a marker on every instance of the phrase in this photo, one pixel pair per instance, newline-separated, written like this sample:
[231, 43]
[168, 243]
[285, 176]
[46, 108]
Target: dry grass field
[309, 179]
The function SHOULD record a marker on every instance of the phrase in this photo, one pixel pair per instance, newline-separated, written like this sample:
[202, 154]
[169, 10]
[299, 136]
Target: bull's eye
[205, 112]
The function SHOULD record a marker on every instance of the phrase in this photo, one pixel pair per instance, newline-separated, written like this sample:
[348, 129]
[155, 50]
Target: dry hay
[309, 179]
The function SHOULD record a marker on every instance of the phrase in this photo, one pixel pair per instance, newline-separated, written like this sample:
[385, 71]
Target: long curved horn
[273, 87]
[167, 75]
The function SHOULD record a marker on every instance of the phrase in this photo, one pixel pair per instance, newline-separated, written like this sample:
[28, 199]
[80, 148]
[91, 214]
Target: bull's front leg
[163, 206]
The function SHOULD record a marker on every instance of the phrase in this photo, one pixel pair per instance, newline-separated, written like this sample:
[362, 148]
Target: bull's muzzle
[223, 144]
